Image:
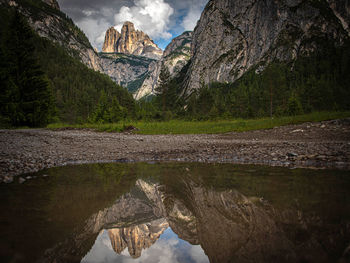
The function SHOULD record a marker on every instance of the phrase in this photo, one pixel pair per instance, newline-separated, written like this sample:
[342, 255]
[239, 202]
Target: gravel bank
[321, 145]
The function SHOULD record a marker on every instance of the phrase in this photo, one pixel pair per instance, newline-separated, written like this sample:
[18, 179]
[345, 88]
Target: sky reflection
[169, 248]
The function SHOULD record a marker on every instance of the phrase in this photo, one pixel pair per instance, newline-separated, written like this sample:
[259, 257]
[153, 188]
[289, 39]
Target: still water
[181, 212]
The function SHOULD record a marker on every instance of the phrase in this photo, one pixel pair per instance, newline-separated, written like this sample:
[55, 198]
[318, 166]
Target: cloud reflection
[168, 249]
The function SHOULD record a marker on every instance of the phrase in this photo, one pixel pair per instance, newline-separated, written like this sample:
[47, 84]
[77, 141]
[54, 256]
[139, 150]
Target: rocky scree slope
[233, 37]
[127, 70]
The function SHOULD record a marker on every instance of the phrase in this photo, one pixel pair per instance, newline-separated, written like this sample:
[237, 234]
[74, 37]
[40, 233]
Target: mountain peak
[130, 41]
[129, 24]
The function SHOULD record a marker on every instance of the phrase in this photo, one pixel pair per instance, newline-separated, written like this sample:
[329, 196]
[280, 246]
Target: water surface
[176, 213]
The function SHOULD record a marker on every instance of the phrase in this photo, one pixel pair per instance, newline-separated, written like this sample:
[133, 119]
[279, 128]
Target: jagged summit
[130, 41]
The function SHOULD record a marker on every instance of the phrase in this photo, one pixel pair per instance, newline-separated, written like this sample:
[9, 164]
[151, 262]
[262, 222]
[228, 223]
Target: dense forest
[319, 82]
[41, 83]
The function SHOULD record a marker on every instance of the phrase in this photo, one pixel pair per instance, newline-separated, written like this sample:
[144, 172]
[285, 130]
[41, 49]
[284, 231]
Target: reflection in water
[170, 215]
[136, 238]
[168, 248]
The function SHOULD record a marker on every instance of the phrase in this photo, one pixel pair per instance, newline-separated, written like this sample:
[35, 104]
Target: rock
[8, 179]
[52, 3]
[130, 41]
[128, 70]
[233, 37]
[176, 55]
[130, 128]
[111, 38]
[291, 154]
[298, 130]
[21, 180]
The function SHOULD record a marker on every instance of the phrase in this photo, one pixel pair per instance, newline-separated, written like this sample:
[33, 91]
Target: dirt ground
[313, 145]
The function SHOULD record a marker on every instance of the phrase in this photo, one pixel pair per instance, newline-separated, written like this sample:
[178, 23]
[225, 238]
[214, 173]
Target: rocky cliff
[127, 70]
[176, 55]
[137, 238]
[49, 22]
[111, 38]
[235, 36]
[139, 73]
[130, 41]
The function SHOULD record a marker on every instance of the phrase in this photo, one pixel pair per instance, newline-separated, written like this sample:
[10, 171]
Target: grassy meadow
[204, 127]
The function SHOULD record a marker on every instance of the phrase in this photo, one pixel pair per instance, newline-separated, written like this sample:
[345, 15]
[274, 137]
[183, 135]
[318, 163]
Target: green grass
[206, 127]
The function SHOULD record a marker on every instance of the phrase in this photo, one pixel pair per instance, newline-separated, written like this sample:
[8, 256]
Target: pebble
[22, 156]
[298, 130]
[8, 179]
[21, 180]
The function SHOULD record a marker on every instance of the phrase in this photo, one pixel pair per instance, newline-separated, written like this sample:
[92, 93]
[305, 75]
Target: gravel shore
[313, 145]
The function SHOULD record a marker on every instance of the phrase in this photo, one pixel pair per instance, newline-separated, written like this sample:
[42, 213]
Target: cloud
[160, 19]
[150, 16]
[190, 20]
[92, 28]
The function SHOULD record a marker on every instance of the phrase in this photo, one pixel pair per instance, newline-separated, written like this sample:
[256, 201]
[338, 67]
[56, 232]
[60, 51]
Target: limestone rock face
[149, 84]
[127, 70]
[111, 38]
[130, 41]
[176, 55]
[233, 36]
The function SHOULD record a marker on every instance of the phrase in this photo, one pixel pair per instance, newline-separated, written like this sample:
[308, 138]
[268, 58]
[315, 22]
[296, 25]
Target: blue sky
[162, 20]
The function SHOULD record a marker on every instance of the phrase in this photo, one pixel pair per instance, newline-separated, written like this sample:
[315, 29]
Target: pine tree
[30, 101]
[161, 90]
[115, 111]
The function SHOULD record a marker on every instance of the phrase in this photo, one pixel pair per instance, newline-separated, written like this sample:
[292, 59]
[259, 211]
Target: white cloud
[150, 16]
[92, 28]
[190, 20]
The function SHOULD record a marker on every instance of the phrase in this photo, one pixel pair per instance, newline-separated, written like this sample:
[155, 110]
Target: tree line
[318, 82]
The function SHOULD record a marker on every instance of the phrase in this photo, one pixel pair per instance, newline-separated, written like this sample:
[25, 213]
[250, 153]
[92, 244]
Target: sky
[162, 20]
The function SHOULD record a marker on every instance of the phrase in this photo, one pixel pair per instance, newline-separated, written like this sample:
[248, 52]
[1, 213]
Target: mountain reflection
[227, 225]
[136, 238]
